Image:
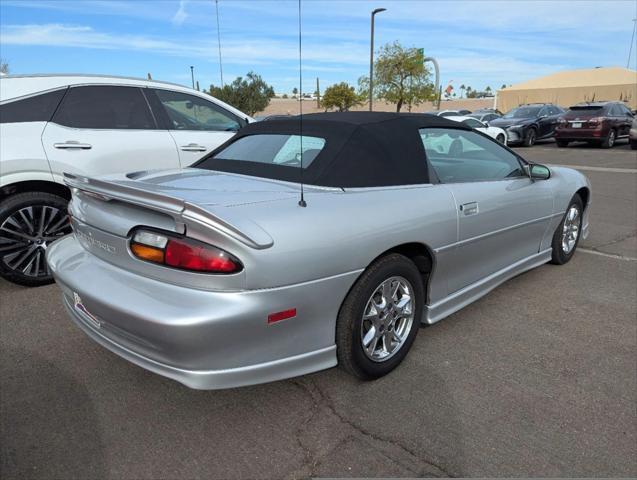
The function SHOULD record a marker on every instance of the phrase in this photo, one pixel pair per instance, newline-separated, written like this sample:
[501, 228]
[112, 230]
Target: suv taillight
[594, 120]
[182, 253]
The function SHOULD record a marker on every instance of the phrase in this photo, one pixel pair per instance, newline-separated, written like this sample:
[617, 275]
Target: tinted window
[470, 122]
[188, 112]
[273, 149]
[39, 108]
[490, 117]
[554, 110]
[523, 112]
[105, 107]
[465, 156]
[448, 114]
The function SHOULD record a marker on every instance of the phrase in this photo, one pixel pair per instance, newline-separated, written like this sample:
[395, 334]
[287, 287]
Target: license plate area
[577, 124]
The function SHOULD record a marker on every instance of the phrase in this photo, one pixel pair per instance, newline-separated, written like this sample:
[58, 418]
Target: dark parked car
[632, 135]
[528, 123]
[600, 123]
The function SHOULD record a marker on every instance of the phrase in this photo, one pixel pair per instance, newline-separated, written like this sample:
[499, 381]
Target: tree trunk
[399, 105]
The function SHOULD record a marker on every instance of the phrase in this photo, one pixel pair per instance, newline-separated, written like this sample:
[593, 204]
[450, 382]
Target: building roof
[588, 77]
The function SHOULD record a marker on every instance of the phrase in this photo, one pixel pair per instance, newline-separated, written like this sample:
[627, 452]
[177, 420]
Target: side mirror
[538, 172]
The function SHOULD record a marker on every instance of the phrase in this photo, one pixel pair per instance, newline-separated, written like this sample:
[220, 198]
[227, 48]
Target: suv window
[38, 108]
[105, 107]
[188, 112]
[465, 156]
[470, 122]
[554, 110]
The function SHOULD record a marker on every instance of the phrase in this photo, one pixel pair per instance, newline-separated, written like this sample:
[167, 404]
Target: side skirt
[460, 299]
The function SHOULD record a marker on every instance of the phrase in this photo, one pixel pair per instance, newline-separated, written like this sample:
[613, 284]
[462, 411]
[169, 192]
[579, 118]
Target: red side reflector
[284, 315]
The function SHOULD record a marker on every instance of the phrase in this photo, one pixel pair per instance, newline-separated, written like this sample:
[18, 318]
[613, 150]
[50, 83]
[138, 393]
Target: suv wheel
[29, 223]
[609, 141]
[530, 137]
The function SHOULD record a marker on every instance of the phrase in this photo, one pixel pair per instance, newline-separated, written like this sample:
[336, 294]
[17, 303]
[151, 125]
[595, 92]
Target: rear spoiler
[220, 218]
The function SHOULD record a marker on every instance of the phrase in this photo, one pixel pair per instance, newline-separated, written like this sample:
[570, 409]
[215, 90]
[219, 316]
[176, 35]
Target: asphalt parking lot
[537, 379]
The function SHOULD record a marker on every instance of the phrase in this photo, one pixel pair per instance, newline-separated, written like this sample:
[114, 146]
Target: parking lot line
[597, 169]
[609, 255]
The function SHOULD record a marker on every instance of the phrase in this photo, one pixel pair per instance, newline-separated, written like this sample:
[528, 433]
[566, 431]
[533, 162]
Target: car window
[38, 108]
[105, 107]
[189, 112]
[522, 112]
[554, 110]
[466, 156]
[275, 149]
[470, 122]
[544, 112]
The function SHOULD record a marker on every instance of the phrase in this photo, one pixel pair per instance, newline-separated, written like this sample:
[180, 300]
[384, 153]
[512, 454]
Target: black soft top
[362, 149]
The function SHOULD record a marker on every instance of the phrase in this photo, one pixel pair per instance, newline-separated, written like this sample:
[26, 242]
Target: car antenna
[302, 201]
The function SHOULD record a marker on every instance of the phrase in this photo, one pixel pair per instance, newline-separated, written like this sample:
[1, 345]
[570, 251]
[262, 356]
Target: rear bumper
[203, 339]
[579, 134]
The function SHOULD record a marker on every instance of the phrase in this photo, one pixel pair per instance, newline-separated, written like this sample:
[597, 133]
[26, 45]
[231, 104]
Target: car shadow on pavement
[49, 427]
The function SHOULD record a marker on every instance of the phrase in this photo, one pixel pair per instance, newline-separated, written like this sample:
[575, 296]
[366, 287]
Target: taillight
[562, 121]
[182, 253]
[594, 120]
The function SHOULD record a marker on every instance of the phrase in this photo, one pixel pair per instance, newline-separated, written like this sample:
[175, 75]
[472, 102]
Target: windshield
[273, 149]
[523, 112]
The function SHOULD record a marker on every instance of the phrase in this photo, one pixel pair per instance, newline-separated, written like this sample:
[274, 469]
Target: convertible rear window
[273, 149]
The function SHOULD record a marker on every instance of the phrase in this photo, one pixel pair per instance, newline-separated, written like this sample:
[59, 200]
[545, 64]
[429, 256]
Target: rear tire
[568, 232]
[633, 145]
[562, 143]
[29, 223]
[609, 141]
[500, 139]
[383, 352]
[530, 137]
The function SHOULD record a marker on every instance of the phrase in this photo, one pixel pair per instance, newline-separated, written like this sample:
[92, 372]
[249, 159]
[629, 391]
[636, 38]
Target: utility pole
[318, 94]
[632, 41]
[219, 42]
[192, 75]
[371, 57]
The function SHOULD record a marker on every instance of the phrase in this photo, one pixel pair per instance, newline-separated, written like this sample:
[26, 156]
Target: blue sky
[477, 43]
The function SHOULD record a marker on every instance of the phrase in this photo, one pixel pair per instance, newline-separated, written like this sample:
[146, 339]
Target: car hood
[208, 188]
[507, 122]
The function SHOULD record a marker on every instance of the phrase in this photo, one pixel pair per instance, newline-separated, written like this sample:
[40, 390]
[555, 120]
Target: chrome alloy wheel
[26, 234]
[387, 319]
[571, 228]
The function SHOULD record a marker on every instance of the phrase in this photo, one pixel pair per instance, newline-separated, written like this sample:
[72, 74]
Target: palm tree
[462, 89]
[488, 89]
[504, 85]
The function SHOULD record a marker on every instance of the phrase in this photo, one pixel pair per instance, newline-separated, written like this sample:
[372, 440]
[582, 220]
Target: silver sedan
[300, 245]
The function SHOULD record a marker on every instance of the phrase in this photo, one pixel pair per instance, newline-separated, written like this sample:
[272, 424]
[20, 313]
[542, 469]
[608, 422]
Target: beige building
[573, 86]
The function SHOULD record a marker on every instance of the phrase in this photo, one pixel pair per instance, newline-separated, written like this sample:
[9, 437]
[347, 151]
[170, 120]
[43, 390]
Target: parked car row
[597, 123]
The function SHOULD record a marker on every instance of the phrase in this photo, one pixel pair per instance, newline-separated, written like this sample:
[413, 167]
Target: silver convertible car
[302, 244]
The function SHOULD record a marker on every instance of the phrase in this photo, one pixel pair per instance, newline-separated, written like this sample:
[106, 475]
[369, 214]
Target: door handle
[73, 145]
[193, 147]
[470, 208]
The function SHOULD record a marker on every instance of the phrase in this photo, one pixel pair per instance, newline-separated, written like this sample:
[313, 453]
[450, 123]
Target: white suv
[92, 125]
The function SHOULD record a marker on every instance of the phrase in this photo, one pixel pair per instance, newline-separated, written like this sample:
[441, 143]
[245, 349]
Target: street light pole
[192, 75]
[371, 58]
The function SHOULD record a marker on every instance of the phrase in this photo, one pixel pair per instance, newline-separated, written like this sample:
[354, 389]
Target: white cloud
[181, 14]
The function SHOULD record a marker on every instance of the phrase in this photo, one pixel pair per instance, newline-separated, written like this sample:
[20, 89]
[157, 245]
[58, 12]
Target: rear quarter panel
[22, 156]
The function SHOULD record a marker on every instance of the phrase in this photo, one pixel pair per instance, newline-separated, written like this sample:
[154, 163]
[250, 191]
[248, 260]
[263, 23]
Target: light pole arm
[437, 69]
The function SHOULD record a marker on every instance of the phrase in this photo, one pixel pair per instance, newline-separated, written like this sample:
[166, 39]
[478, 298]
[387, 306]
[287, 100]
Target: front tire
[567, 235]
[530, 137]
[29, 223]
[380, 317]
